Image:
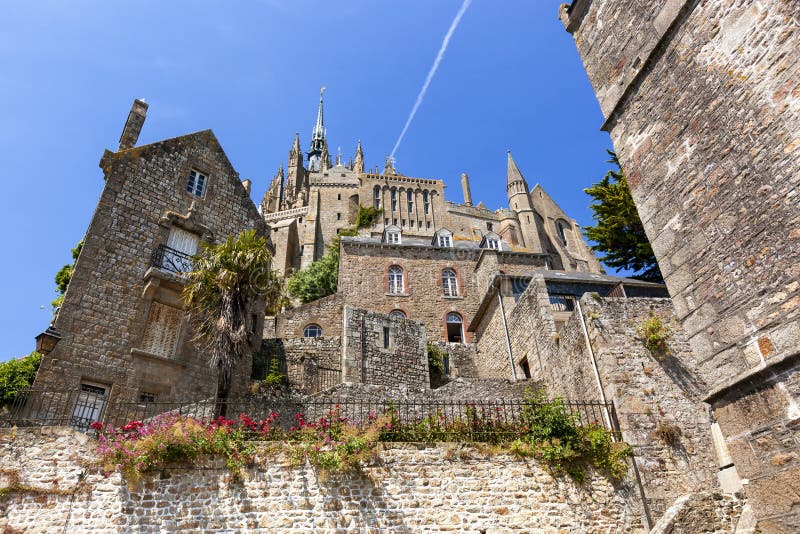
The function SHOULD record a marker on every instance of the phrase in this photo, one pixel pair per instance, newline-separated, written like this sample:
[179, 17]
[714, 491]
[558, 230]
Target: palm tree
[228, 290]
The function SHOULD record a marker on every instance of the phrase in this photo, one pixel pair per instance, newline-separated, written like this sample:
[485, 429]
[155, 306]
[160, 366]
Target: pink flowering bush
[138, 446]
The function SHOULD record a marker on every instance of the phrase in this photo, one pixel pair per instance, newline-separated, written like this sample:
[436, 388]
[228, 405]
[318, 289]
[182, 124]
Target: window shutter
[161, 332]
[183, 241]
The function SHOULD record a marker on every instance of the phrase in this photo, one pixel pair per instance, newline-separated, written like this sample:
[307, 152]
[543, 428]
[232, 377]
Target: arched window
[561, 235]
[455, 327]
[396, 280]
[377, 197]
[394, 199]
[312, 330]
[397, 314]
[410, 197]
[425, 202]
[449, 283]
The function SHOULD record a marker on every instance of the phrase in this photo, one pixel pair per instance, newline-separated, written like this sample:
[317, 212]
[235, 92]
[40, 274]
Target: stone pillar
[133, 126]
[465, 187]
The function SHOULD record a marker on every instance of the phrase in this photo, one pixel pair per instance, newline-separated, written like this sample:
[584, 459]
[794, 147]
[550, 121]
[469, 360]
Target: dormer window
[492, 243]
[197, 183]
[445, 241]
[392, 235]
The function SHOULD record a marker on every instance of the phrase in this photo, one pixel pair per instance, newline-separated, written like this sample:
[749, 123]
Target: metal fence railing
[411, 419]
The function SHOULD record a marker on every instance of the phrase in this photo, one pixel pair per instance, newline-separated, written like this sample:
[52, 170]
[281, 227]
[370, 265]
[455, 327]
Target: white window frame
[393, 238]
[449, 283]
[312, 330]
[492, 243]
[396, 280]
[445, 241]
[197, 184]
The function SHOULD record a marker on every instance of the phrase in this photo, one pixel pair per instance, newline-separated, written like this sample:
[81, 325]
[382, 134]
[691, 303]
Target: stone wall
[653, 395]
[325, 312]
[431, 488]
[386, 351]
[106, 308]
[701, 102]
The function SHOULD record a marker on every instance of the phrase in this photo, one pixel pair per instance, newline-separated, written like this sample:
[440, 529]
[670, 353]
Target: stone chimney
[247, 185]
[133, 126]
[465, 187]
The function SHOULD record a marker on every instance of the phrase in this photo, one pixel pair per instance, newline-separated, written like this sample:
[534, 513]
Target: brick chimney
[130, 134]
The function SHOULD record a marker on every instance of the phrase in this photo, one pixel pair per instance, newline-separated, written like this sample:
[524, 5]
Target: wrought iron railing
[171, 260]
[562, 303]
[501, 418]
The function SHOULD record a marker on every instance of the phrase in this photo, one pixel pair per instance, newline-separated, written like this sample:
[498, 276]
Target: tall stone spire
[513, 174]
[318, 142]
[358, 166]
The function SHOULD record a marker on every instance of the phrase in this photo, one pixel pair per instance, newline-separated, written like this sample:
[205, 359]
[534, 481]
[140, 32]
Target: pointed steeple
[318, 141]
[358, 165]
[513, 173]
[295, 145]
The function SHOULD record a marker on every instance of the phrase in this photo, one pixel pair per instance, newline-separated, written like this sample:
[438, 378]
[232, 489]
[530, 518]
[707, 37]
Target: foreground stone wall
[701, 101]
[653, 395]
[433, 488]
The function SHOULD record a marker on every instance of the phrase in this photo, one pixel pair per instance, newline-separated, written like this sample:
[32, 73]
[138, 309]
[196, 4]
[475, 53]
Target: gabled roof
[437, 233]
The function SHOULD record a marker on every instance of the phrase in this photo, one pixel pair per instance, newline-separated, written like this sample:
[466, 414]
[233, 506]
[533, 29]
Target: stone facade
[701, 101]
[597, 353]
[122, 327]
[412, 488]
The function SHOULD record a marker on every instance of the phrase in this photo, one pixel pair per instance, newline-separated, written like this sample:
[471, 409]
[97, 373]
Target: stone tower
[519, 201]
[358, 165]
[295, 174]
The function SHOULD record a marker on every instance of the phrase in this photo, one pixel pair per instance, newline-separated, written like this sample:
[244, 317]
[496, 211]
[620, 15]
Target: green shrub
[655, 334]
[17, 375]
[436, 358]
[274, 376]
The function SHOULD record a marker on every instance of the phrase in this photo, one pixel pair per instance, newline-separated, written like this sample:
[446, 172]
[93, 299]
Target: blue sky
[251, 71]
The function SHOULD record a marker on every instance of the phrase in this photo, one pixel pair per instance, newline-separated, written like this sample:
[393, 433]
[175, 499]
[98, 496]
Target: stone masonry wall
[701, 101]
[650, 393]
[430, 488]
[384, 351]
[108, 301]
[325, 312]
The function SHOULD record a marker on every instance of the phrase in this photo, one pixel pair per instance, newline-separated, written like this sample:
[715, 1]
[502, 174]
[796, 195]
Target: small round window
[312, 330]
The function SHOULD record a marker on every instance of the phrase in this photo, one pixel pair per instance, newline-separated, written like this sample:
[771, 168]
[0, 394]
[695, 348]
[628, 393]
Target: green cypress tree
[618, 230]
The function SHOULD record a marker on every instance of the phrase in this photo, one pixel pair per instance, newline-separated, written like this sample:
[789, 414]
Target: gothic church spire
[319, 144]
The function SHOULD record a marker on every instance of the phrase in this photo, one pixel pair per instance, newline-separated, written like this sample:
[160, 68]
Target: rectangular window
[428, 225]
[394, 200]
[564, 303]
[197, 183]
[339, 196]
[161, 332]
[338, 216]
[444, 241]
[385, 337]
[410, 197]
[89, 406]
[403, 223]
[393, 238]
[147, 397]
[493, 244]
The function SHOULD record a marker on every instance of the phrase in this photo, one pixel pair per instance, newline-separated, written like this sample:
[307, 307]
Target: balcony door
[181, 246]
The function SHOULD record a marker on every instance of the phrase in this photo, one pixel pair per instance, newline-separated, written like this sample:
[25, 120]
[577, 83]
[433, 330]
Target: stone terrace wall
[368, 360]
[531, 332]
[325, 312]
[648, 392]
[434, 488]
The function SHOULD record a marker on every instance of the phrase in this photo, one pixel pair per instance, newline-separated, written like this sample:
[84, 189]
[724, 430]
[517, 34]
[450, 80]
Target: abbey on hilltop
[312, 201]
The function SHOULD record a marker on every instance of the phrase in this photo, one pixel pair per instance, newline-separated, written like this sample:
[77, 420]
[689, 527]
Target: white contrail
[431, 72]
